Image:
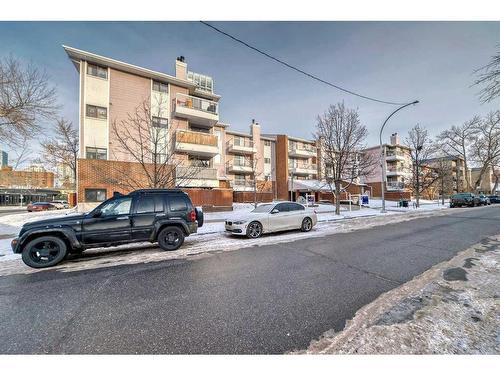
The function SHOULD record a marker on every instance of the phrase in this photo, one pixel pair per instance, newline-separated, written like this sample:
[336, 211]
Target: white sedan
[273, 217]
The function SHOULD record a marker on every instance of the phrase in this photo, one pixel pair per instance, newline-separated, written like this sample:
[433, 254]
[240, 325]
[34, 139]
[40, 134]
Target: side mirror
[275, 211]
[97, 213]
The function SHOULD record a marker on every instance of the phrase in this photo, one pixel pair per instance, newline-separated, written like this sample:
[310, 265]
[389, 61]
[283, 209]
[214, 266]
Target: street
[262, 299]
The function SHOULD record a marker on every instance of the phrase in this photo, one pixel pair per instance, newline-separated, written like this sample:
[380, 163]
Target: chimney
[394, 139]
[180, 68]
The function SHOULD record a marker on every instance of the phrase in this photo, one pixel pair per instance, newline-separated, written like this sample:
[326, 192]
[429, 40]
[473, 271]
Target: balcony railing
[395, 185]
[240, 163]
[395, 153]
[193, 102]
[303, 168]
[247, 183]
[241, 146]
[187, 136]
[196, 173]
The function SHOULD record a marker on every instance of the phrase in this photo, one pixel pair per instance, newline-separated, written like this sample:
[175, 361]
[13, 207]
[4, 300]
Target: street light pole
[383, 152]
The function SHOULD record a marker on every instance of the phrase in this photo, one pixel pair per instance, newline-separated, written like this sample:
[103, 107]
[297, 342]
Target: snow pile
[425, 205]
[453, 308]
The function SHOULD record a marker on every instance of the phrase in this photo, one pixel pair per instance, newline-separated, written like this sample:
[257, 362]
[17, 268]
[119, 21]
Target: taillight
[192, 215]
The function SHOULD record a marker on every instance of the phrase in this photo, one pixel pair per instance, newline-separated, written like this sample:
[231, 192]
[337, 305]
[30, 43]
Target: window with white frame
[96, 112]
[160, 86]
[97, 71]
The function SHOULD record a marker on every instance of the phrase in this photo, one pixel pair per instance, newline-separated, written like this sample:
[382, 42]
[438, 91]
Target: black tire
[307, 224]
[254, 229]
[42, 252]
[451, 206]
[170, 238]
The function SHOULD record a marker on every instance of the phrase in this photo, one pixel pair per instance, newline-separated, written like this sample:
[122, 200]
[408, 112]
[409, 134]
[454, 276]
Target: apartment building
[185, 109]
[296, 170]
[398, 170]
[454, 173]
[487, 184]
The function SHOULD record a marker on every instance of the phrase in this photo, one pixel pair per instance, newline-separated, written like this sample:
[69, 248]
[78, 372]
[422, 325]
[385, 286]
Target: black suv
[156, 215]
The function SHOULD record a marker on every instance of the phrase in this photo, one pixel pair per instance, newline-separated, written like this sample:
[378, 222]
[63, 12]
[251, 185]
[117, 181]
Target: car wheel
[46, 251]
[451, 206]
[254, 229]
[307, 225]
[170, 238]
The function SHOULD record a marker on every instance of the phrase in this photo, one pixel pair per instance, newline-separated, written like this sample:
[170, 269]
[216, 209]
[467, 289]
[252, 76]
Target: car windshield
[263, 208]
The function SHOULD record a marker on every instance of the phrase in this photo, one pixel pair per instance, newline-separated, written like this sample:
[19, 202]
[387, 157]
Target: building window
[95, 195]
[97, 71]
[267, 143]
[202, 82]
[160, 122]
[96, 153]
[199, 129]
[267, 160]
[198, 162]
[97, 112]
[160, 86]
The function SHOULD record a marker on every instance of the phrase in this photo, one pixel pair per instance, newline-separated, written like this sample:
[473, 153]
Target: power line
[297, 69]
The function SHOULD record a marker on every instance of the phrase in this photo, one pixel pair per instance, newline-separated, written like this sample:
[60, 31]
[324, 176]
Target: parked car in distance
[60, 204]
[165, 216]
[494, 198]
[272, 217]
[40, 206]
[484, 200]
[464, 199]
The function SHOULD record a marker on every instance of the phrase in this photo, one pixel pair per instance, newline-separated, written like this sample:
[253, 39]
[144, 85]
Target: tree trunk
[417, 189]
[442, 190]
[254, 194]
[337, 197]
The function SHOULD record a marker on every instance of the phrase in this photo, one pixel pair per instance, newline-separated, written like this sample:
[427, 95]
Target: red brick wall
[11, 178]
[111, 175]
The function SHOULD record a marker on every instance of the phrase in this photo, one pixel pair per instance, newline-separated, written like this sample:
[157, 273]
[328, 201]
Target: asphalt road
[270, 299]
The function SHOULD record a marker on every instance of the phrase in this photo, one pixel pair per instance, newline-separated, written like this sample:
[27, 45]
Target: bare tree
[489, 77]
[143, 138]
[486, 147]
[422, 176]
[25, 98]
[458, 141]
[443, 169]
[259, 180]
[61, 149]
[20, 154]
[342, 137]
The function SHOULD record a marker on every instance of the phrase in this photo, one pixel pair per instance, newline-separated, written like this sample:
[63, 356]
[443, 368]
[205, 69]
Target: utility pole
[383, 152]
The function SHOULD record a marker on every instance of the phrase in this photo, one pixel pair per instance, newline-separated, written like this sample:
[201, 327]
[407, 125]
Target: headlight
[239, 222]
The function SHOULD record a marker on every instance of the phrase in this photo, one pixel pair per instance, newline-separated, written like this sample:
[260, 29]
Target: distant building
[398, 164]
[4, 159]
[487, 183]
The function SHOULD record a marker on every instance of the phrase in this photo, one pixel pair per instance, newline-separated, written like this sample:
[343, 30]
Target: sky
[392, 61]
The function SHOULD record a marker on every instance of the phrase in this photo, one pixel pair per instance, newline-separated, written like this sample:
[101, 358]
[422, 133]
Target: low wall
[248, 197]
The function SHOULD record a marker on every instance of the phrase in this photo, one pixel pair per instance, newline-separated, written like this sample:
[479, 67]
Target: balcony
[195, 143]
[243, 185]
[238, 166]
[395, 185]
[303, 169]
[395, 155]
[241, 146]
[200, 111]
[302, 152]
[396, 171]
[194, 176]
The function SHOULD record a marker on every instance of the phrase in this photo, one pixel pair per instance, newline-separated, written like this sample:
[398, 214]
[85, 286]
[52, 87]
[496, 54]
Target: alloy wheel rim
[307, 224]
[254, 230]
[172, 238]
[44, 252]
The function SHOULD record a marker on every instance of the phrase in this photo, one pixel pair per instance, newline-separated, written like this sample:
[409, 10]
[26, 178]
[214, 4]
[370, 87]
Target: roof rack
[142, 191]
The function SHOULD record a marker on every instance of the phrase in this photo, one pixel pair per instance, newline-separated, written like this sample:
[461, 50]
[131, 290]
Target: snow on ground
[425, 205]
[210, 239]
[453, 308]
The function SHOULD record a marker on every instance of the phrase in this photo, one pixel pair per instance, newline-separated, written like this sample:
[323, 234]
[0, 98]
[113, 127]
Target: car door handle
[122, 218]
